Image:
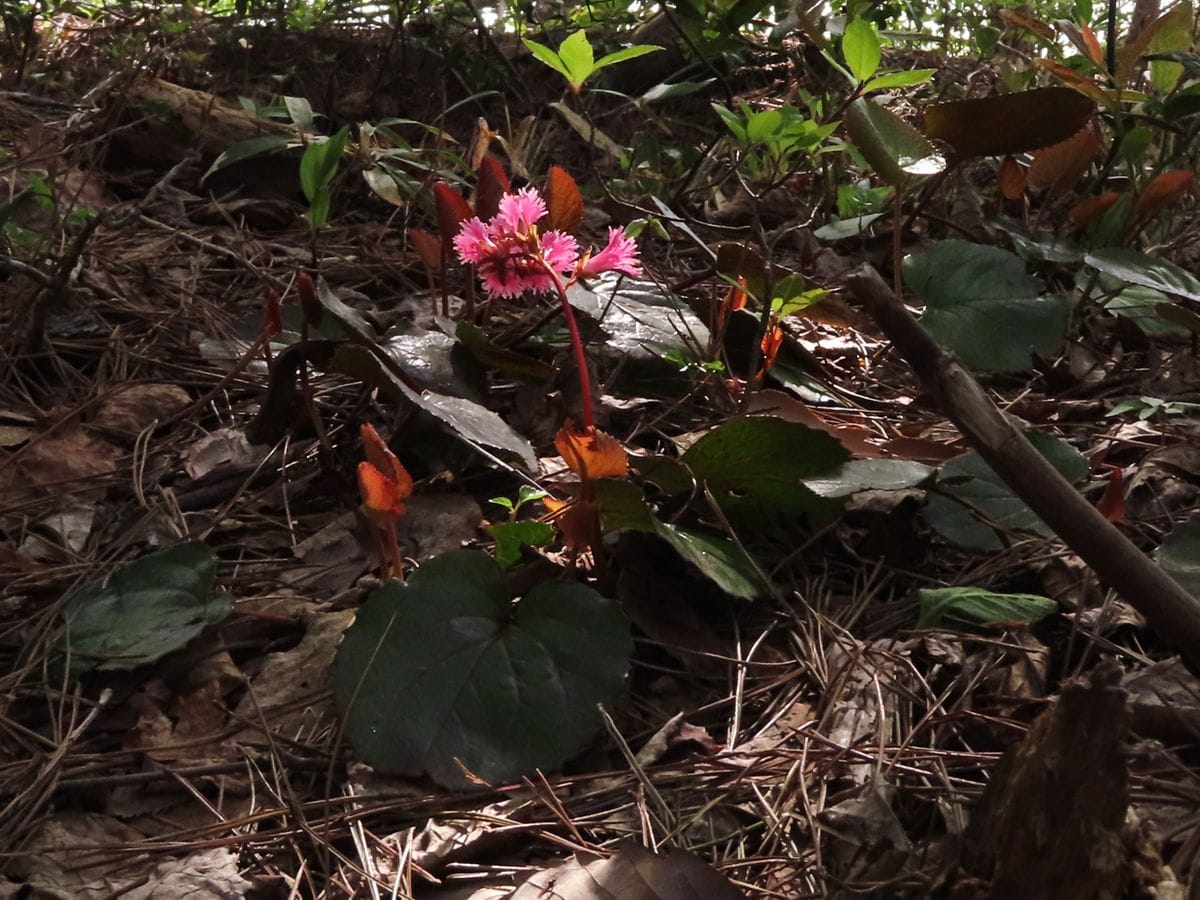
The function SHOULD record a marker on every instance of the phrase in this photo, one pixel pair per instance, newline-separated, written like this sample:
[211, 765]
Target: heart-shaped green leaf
[981, 304]
[445, 674]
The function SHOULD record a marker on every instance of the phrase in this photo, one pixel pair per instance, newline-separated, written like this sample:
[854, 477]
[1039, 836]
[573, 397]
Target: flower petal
[472, 242]
[620, 255]
[520, 210]
[560, 250]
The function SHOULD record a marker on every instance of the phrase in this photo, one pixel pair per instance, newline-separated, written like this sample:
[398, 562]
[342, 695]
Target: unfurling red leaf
[1165, 189]
[490, 185]
[272, 315]
[1011, 176]
[384, 460]
[1092, 208]
[428, 248]
[382, 498]
[309, 304]
[579, 522]
[563, 200]
[1010, 123]
[1061, 165]
[591, 454]
[452, 210]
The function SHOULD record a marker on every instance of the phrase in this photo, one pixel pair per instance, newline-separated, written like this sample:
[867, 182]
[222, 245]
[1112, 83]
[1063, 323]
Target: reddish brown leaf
[1165, 189]
[1010, 123]
[563, 200]
[384, 460]
[1011, 177]
[1094, 51]
[452, 210]
[272, 315]
[579, 522]
[771, 343]
[383, 501]
[1077, 82]
[309, 305]
[490, 185]
[1060, 166]
[1112, 501]
[428, 247]
[591, 454]
[1027, 22]
[1092, 208]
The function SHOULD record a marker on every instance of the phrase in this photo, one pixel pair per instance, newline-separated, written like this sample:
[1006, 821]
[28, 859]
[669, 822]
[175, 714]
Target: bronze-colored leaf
[1078, 82]
[1011, 123]
[452, 210]
[563, 200]
[428, 248]
[491, 184]
[1011, 176]
[1165, 189]
[1059, 166]
[1092, 208]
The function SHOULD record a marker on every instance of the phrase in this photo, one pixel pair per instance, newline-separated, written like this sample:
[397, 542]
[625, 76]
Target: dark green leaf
[1179, 555]
[254, 147]
[444, 668]
[758, 464]
[146, 609]
[972, 497]
[717, 558]
[981, 305]
[1149, 271]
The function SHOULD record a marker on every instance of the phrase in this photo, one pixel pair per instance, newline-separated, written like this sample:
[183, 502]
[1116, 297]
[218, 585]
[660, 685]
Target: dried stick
[1172, 611]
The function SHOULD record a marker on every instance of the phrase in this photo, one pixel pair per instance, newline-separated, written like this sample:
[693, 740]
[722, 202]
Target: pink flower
[620, 255]
[513, 258]
[519, 211]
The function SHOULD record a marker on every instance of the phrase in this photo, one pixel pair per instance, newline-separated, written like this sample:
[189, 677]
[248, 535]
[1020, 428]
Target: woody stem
[585, 380]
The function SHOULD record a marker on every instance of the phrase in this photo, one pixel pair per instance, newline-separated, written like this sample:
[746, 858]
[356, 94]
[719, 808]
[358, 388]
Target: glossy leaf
[981, 305]
[145, 609]
[888, 143]
[1149, 271]
[975, 606]
[758, 464]
[1008, 123]
[320, 162]
[444, 674]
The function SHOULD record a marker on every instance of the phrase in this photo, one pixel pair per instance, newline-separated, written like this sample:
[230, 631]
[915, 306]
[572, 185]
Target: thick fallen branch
[1171, 610]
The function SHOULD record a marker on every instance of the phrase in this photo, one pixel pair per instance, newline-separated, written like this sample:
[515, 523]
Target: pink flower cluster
[514, 258]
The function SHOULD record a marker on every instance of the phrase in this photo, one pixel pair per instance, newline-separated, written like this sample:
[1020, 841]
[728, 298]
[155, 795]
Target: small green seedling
[576, 61]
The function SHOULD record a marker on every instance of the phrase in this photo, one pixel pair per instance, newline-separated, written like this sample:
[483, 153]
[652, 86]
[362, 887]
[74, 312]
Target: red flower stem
[585, 380]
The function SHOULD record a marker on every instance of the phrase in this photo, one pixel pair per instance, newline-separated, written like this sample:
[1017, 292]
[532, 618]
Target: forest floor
[803, 739]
